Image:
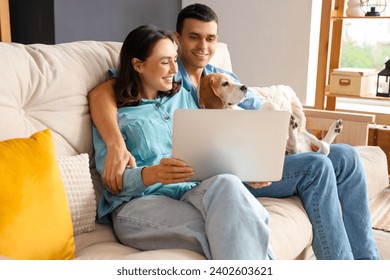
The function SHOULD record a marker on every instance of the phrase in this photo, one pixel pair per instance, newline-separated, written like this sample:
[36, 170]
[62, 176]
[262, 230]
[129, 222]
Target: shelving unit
[5, 28]
[332, 18]
[328, 94]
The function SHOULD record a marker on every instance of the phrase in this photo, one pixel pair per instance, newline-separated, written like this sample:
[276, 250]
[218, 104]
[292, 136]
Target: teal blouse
[147, 131]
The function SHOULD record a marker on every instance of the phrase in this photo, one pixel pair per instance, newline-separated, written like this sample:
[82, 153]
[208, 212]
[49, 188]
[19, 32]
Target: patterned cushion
[79, 191]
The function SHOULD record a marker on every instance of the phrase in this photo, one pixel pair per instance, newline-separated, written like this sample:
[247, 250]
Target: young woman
[157, 206]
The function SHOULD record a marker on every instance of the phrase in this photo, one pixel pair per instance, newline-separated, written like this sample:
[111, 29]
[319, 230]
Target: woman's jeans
[334, 194]
[219, 218]
[222, 220]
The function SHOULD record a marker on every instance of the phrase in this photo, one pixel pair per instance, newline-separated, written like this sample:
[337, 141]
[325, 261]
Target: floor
[382, 239]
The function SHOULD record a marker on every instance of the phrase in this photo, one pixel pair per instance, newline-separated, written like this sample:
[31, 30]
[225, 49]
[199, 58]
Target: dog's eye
[225, 84]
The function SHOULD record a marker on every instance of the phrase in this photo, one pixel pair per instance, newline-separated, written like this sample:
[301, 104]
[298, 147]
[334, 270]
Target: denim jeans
[219, 218]
[222, 221]
[334, 194]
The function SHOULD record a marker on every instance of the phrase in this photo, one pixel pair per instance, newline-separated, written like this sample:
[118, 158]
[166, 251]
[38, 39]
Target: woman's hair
[139, 44]
[196, 11]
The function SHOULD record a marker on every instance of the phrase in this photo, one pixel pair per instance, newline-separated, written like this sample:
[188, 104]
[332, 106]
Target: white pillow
[79, 191]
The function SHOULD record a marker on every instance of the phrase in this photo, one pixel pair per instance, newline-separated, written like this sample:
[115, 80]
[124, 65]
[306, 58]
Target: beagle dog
[219, 91]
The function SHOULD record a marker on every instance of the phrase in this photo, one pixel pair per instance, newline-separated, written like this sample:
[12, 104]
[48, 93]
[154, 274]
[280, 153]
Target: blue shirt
[147, 132]
[252, 101]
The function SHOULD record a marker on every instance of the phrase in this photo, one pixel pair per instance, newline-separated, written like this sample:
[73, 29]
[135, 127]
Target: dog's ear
[208, 94]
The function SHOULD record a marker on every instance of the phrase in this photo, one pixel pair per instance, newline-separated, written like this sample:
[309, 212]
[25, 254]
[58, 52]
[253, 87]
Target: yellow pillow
[35, 221]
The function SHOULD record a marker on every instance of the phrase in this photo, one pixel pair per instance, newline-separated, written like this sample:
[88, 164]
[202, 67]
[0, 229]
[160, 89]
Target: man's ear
[176, 36]
[137, 64]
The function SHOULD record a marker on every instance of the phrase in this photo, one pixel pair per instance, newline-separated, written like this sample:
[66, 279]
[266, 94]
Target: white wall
[269, 41]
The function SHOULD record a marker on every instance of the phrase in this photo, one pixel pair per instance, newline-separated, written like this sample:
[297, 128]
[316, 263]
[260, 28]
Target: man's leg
[311, 177]
[353, 195]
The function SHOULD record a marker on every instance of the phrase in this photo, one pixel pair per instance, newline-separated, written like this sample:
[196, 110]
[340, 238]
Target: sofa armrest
[375, 166]
[355, 126]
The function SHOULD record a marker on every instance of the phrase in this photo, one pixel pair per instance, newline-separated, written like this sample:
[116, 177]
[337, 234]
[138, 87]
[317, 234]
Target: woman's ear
[137, 64]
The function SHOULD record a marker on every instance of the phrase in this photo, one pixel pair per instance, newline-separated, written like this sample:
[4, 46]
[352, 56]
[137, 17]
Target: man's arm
[104, 115]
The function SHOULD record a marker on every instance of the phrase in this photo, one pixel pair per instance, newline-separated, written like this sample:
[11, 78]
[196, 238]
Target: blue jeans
[219, 218]
[222, 221]
[334, 194]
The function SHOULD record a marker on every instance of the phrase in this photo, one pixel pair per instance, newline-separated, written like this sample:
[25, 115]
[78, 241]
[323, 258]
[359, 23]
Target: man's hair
[195, 11]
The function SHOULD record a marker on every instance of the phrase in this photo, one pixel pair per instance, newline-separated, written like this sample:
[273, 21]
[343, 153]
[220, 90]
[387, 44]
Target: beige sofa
[46, 86]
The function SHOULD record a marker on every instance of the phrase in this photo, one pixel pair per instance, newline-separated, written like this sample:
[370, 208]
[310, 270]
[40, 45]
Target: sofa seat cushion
[290, 228]
[101, 244]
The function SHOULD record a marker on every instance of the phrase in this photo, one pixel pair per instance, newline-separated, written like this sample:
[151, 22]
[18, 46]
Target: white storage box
[353, 81]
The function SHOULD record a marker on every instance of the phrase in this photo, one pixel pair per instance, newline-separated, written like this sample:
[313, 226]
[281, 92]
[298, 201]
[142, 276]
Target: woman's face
[158, 70]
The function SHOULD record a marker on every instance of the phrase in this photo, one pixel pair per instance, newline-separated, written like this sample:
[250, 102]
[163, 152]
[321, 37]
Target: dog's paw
[338, 126]
[334, 130]
[293, 123]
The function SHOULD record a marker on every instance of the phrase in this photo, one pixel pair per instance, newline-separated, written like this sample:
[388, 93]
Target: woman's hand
[168, 171]
[258, 185]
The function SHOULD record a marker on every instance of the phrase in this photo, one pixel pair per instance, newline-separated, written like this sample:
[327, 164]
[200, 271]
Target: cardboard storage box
[353, 81]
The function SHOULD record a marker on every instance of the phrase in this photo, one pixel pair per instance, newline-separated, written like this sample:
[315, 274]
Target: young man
[322, 183]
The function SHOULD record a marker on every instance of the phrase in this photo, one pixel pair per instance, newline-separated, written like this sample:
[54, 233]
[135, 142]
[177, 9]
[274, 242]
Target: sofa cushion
[375, 166]
[290, 228]
[35, 218]
[79, 191]
[46, 86]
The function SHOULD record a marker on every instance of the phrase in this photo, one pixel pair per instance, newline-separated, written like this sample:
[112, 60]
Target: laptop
[250, 144]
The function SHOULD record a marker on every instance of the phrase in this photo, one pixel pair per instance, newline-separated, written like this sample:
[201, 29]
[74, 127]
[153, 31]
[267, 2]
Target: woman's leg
[159, 222]
[311, 177]
[236, 223]
[352, 191]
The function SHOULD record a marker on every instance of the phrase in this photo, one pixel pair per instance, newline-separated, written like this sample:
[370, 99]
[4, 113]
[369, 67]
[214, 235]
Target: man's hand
[258, 185]
[118, 157]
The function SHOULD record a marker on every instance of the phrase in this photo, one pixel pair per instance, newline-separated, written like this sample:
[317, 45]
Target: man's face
[197, 42]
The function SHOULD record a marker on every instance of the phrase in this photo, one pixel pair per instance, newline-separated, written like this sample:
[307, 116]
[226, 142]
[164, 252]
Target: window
[365, 43]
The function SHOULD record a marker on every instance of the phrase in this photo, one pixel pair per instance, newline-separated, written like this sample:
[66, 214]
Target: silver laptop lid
[247, 143]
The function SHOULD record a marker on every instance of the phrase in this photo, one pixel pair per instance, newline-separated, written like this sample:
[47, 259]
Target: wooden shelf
[354, 18]
[331, 30]
[372, 97]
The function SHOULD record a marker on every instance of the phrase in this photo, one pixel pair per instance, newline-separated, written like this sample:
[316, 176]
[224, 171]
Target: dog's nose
[243, 88]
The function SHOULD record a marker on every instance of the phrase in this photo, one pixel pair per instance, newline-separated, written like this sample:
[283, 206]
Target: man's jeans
[334, 194]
